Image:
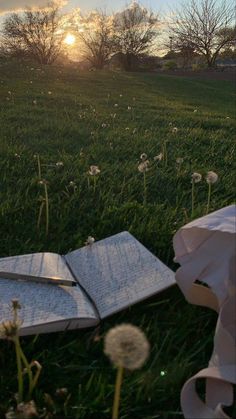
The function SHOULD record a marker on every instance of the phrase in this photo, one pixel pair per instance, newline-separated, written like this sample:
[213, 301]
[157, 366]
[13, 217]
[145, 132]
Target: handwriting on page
[119, 271]
[43, 304]
[37, 264]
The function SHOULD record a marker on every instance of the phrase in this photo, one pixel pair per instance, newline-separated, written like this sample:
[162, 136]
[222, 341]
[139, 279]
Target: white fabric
[206, 251]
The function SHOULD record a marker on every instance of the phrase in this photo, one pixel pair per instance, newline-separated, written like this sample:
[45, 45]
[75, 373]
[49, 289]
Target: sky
[86, 5]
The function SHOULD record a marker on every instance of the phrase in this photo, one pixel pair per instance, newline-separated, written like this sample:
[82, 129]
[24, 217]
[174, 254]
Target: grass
[68, 125]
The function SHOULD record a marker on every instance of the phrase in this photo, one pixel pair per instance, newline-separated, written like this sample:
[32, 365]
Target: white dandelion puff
[159, 157]
[211, 177]
[196, 177]
[126, 346]
[59, 164]
[143, 166]
[90, 240]
[143, 156]
[94, 170]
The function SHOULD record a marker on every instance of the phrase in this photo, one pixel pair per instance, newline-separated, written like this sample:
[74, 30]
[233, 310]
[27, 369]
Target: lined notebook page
[42, 304]
[118, 272]
[37, 264]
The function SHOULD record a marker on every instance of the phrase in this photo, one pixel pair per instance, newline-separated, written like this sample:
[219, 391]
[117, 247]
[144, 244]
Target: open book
[110, 275]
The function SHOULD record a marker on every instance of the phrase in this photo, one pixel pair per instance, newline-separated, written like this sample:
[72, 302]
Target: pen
[52, 280]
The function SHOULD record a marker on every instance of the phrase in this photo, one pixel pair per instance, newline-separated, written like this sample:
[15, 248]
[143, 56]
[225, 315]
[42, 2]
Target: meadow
[73, 120]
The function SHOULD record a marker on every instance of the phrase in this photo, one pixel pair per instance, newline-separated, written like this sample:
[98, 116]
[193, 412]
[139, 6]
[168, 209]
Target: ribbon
[206, 251]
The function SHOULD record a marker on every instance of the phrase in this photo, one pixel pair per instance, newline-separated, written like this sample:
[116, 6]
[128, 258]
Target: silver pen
[52, 280]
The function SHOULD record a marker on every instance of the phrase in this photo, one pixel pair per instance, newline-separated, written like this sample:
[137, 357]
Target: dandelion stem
[208, 198]
[29, 372]
[36, 377]
[39, 167]
[165, 153]
[144, 188]
[19, 368]
[40, 214]
[192, 198]
[119, 376]
[47, 207]
[94, 183]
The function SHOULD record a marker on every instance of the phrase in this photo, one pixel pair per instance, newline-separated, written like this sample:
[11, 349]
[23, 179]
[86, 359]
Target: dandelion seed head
[9, 329]
[34, 102]
[143, 156]
[90, 240]
[175, 130]
[126, 346]
[15, 304]
[116, 105]
[42, 182]
[129, 108]
[59, 164]
[94, 170]
[72, 183]
[49, 92]
[162, 373]
[159, 157]
[143, 166]
[61, 393]
[211, 177]
[26, 410]
[196, 177]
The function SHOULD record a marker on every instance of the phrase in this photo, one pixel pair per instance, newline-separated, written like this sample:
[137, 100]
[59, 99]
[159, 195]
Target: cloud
[16, 5]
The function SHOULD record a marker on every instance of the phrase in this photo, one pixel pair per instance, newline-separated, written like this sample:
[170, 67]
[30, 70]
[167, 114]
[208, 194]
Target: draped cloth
[206, 252]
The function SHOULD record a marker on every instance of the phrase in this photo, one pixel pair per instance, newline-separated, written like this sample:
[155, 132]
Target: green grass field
[75, 124]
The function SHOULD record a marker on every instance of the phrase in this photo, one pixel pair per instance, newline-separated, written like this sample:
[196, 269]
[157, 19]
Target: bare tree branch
[135, 31]
[205, 25]
[35, 34]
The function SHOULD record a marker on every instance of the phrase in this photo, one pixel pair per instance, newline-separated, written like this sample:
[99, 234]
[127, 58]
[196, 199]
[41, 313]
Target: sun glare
[69, 39]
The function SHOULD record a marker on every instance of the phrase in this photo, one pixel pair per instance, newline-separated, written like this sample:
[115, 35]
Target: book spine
[82, 288]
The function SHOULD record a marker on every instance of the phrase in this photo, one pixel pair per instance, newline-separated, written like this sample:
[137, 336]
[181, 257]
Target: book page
[46, 308]
[118, 271]
[38, 265]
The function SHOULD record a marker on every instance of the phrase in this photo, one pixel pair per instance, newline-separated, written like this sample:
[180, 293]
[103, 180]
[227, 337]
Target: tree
[95, 33]
[135, 30]
[35, 34]
[205, 25]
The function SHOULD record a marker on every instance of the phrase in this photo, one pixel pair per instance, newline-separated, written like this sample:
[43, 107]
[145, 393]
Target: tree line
[201, 28]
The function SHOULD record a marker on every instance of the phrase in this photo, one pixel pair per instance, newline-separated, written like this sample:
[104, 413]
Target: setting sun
[69, 39]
